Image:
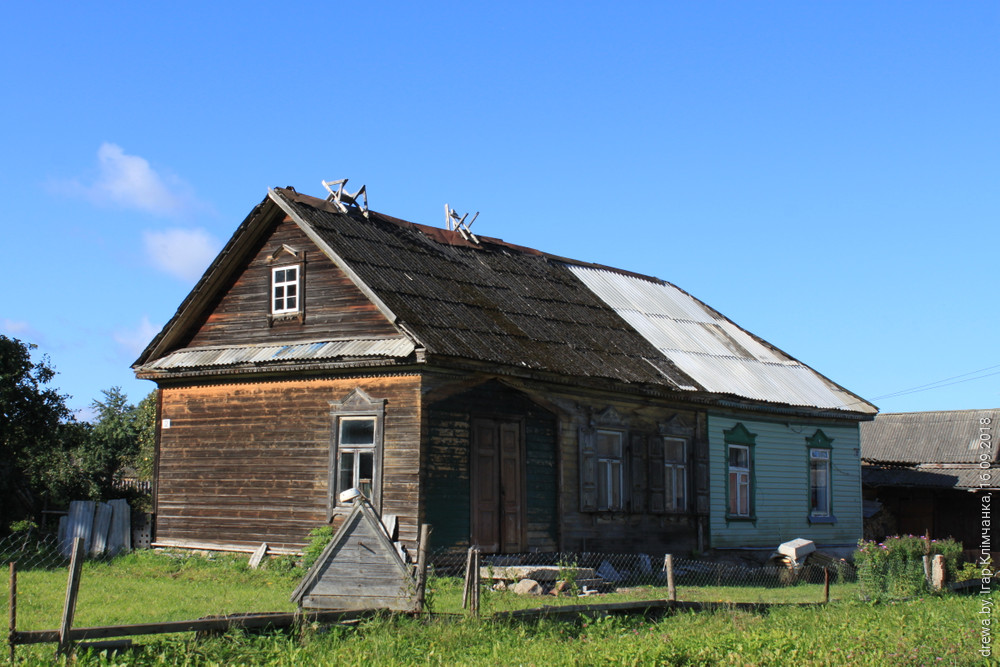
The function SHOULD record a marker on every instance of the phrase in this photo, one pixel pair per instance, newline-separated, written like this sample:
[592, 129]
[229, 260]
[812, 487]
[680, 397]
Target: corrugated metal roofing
[952, 436]
[716, 353]
[395, 348]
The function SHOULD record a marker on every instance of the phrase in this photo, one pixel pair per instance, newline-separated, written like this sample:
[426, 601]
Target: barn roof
[941, 437]
[495, 302]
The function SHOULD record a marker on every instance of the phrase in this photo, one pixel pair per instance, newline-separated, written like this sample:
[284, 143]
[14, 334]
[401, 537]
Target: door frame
[522, 500]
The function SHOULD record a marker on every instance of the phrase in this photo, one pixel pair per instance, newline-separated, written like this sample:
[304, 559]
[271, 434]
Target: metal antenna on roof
[459, 224]
[342, 198]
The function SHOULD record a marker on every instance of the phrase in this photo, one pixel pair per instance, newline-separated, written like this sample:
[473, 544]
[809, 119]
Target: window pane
[291, 302]
[744, 508]
[681, 488]
[357, 431]
[739, 457]
[289, 275]
[346, 471]
[616, 485]
[290, 290]
[603, 484]
[279, 276]
[609, 444]
[668, 490]
[366, 467]
[734, 493]
[279, 304]
[674, 450]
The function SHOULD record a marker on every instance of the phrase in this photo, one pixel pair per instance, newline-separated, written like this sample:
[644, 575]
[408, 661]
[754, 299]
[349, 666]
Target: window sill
[739, 519]
[273, 319]
[822, 519]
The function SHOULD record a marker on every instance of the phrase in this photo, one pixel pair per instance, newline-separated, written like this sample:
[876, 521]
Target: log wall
[243, 464]
[334, 307]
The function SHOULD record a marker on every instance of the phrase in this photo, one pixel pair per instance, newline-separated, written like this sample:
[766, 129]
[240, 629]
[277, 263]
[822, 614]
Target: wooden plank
[276, 620]
[258, 556]
[72, 589]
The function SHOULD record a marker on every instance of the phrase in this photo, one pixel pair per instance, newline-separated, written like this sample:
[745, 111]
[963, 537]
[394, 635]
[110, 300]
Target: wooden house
[511, 398]
[927, 472]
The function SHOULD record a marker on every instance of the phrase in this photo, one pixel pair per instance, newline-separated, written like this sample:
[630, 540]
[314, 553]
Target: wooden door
[498, 504]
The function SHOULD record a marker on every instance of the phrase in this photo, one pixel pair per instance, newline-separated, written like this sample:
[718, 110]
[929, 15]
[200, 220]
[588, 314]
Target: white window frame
[357, 450]
[283, 285]
[609, 470]
[742, 483]
[819, 461]
[674, 477]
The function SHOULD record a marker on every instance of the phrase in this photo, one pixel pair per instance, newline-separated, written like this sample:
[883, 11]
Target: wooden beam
[72, 589]
[425, 535]
[275, 620]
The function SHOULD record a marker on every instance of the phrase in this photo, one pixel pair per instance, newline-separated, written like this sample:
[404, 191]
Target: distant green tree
[146, 424]
[112, 444]
[34, 445]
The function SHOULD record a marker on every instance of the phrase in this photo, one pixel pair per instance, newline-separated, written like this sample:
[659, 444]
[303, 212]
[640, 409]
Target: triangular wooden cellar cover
[359, 569]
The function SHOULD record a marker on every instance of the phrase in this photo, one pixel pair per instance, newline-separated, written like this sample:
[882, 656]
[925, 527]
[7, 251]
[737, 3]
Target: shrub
[318, 539]
[894, 568]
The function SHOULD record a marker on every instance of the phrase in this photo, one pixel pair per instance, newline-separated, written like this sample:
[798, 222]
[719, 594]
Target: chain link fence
[142, 586]
[512, 581]
[153, 586]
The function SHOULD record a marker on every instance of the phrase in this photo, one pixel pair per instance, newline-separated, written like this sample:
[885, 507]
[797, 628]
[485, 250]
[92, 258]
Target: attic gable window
[285, 290]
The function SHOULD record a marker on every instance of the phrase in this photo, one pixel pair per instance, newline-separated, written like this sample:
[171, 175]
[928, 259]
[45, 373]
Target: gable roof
[499, 303]
[942, 437]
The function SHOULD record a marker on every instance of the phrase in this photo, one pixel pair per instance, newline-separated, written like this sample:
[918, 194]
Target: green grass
[149, 586]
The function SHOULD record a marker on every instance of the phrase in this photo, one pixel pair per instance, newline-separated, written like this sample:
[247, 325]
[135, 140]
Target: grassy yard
[145, 587]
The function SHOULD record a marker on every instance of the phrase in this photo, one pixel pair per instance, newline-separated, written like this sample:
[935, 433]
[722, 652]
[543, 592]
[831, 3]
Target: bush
[318, 539]
[894, 569]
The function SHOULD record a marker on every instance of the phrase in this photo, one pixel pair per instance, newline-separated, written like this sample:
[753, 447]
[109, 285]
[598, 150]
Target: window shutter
[588, 470]
[637, 472]
[657, 499]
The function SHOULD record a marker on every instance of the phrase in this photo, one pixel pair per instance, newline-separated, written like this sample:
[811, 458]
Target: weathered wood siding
[243, 464]
[781, 483]
[334, 307]
[639, 529]
[447, 476]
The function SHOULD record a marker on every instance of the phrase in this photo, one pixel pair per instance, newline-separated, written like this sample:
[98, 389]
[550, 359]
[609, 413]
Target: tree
[32, 437]
[113, 442]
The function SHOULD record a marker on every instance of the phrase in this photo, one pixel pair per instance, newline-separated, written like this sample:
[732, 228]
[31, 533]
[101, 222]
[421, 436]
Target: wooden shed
[361, 568]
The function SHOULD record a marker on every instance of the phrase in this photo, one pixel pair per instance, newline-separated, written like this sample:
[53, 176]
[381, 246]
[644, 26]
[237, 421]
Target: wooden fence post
[938, 572]
[826, 585]
[12, 635]
[467, 588]
[425, 534]
[475, 582]
[72, 588]
[668, 563]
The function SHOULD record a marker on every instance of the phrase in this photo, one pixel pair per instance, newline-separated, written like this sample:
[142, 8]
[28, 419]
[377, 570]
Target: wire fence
[512, 581]
[155, 586]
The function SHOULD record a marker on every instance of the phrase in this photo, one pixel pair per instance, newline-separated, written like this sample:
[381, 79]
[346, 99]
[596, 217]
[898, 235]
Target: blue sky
[826, 174]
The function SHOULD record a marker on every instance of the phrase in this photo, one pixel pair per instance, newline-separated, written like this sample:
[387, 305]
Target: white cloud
[134, 341]
[15, 328]
[130, 182]
[183, 253]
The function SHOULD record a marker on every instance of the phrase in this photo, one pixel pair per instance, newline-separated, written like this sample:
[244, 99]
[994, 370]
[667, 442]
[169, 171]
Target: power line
[946, 382]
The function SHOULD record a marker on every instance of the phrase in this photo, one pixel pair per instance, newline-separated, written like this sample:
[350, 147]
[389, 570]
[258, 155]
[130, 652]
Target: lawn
[148, 586]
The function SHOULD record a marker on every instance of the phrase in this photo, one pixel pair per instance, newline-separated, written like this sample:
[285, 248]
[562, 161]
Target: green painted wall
[781, 477]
